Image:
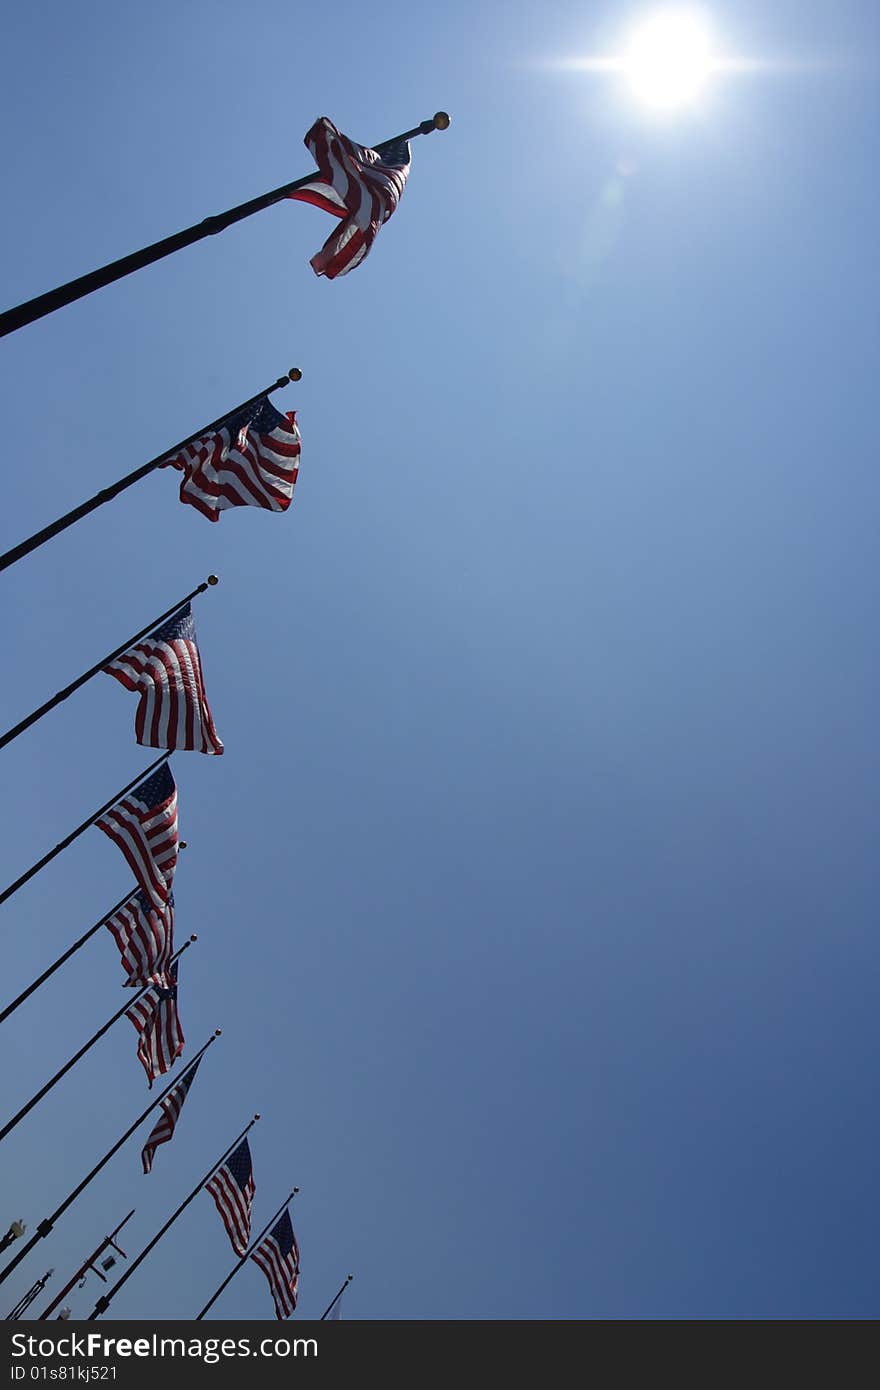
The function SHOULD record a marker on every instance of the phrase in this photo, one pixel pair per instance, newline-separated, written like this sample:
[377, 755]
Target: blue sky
[536, 890]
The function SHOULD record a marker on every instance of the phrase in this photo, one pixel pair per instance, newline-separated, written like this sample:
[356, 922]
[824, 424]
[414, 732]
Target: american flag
[160, 1036]
[232, 1188]
[169, 1110]
[278, 1258]
[145, 937]
[165, 670]
[252, 460]
[144, 826]
[359, 185]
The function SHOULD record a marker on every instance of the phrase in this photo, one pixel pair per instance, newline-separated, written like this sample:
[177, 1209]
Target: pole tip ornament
[213, 579]
[194, 937]
[295, 374]
[441, 120]
[181, 844]
[218, 1032]
[257, 1116]
[295, 1190]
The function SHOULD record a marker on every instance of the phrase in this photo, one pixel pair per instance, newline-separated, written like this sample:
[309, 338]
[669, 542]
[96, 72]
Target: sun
[669, 58]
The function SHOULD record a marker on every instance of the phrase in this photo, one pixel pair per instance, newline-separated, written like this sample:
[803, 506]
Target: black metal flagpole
[47, 303]
[47, 1225]
[251, 1248]
[69, 839]
[99, 666]
[348, 1279]
[56, 965]
[87, 1265]
[107, 494]
[105, 1300]
[33, 1292]
[44, 1090]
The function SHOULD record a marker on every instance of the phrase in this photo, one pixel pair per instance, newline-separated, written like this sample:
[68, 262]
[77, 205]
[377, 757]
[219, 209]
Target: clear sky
[536, 891]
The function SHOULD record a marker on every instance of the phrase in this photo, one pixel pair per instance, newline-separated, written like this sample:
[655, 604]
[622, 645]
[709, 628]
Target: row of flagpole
[175, 1086]
[46, 1226]
[5, 739]
[382, 170]
[106, 1299]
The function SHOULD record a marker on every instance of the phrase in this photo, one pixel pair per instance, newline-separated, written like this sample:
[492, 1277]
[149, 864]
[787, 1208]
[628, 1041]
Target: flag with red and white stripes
[232, 1188]
[144, 826]
[361, 186]
[165, 670]
[251, 460]
[156, 1020]
[169, 1113]
[145, 938]
[278, 1258]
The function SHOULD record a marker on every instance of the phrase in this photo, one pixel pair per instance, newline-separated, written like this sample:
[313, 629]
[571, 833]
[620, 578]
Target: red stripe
[281, 1274]
[234, 1208]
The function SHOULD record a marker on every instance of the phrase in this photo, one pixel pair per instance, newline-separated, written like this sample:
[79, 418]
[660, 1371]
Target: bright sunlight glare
[669, 58]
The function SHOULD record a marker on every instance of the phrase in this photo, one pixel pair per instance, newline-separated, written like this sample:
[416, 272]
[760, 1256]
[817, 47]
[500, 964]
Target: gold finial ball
[295, 374]
[441, 120]
[194, 937]
[213, 579]
[218, 1032]
[257, 1116]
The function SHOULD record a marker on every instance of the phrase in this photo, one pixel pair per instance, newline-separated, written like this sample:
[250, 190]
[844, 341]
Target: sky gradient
[536, 889]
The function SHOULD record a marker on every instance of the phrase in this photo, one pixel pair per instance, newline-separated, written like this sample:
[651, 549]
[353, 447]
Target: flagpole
[25, 1302]
[41, 979]
[99, 666]
[62, 844]
[251, 1248]
[107, 494]
[348, 1280]
[86, 1266]
[44, 1090]
[105, 1300]
[47, 303]
[47, 1225]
